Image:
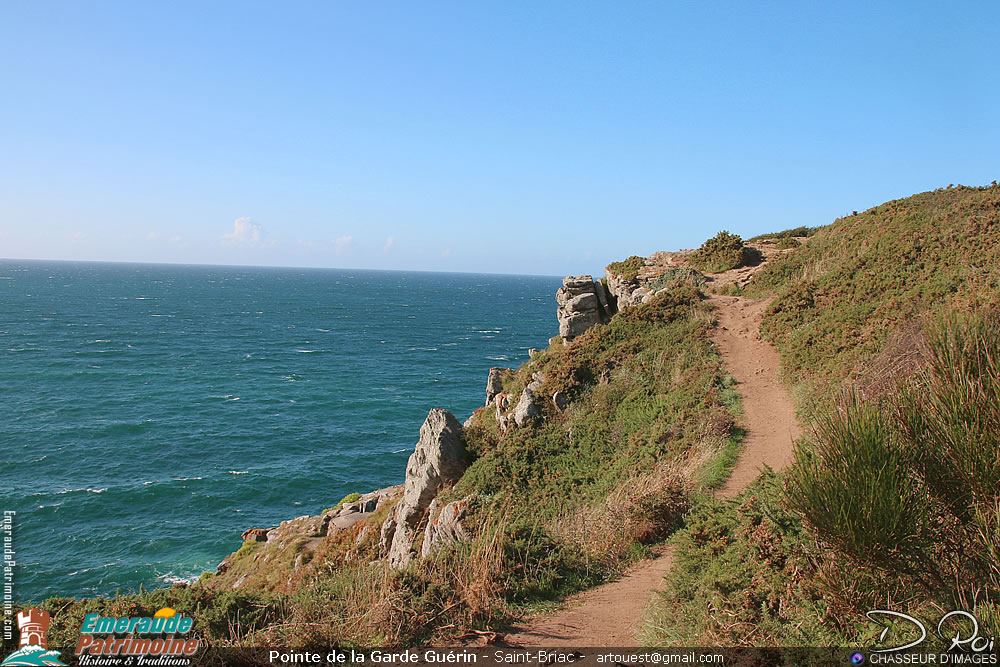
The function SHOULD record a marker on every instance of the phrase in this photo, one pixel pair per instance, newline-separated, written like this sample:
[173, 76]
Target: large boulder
[438, 460]
[527, 406]
[580, 306]
[255, 534]
[626, 293]
[445, 526]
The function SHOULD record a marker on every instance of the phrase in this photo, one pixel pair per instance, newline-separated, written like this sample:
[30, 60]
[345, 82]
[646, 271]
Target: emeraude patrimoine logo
[101, 635]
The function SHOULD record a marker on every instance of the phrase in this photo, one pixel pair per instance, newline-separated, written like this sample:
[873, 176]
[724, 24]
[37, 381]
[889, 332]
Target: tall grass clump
[907, 489]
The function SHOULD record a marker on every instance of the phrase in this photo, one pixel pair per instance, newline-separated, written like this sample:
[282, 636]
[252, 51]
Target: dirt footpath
[609, 615]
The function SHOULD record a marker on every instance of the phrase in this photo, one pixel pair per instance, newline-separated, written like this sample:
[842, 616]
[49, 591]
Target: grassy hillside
[887, 320]
[866, 277]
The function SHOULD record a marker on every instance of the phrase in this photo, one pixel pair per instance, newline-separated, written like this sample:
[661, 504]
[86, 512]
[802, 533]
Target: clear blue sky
[511, 137]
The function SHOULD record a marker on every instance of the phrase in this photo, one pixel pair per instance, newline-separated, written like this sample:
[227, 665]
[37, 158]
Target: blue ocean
[150, 413]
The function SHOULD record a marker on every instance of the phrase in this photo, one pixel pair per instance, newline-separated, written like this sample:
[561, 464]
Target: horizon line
[271, 266]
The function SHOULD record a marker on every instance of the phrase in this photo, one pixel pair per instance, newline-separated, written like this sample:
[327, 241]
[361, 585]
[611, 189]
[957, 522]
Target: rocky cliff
[399, 524]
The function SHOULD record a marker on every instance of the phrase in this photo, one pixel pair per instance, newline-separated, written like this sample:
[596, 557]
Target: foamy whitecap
[170, 578]
[88, 490]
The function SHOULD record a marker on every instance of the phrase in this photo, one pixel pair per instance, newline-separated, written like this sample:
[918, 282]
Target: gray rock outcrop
[438, 460]
[255, 534]
[580, 306]
[494, 383]
[627, 293]
[445, 527]
[527, 406]
[346, 515]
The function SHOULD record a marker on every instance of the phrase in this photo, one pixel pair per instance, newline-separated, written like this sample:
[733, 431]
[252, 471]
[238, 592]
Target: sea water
[151, 413]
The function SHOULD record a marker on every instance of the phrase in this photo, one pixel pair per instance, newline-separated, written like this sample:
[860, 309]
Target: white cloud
[152, 236]
[244, 231]
[446, 252]
[389, 240]
[341, 242]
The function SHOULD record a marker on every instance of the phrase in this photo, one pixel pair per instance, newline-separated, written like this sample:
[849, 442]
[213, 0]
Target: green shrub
[349, 498]
[787, 243]
[853, 487]
[675, 277]
[627, 269]
[786, 234]
[723, 252]
[742, 575]
[907, 489]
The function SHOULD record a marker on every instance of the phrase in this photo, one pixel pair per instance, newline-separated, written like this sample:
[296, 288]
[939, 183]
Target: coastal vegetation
[628, 269]
[887, 325]
[723, 252]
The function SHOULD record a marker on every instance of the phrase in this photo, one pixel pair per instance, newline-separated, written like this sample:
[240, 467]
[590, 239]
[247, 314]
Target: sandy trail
[609, 615]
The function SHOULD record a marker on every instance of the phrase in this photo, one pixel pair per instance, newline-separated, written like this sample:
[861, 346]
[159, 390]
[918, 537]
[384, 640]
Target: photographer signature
[972, 642]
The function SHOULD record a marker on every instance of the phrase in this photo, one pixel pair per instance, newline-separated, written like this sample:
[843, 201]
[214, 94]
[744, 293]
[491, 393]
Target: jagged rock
[626, 293]
[445, 527]
[439, 459]
[532, 352]
[388, 531]
[362, 534]
[255, 534]
[560, 400]
[494, 382]
[346, 515]
[503, 421]
[343, 522]
[527, 409]
[605, 299]
[579, 307]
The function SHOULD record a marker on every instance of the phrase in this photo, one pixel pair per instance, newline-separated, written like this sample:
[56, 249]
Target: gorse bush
[722, 252]
[786, 234]
[908, 488]
[627, 269]
[853, 487]
[674, 277]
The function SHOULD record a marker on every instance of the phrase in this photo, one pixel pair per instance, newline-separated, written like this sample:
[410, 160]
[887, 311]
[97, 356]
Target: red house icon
[33, 624]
